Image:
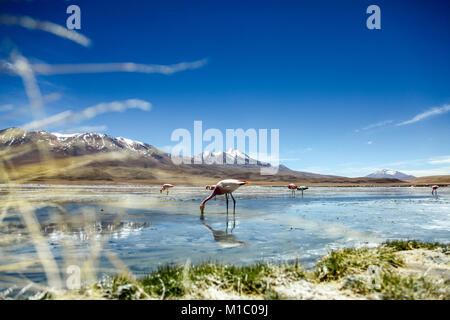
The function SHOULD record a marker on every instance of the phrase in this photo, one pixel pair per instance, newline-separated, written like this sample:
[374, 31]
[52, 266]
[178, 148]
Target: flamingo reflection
[226, 239]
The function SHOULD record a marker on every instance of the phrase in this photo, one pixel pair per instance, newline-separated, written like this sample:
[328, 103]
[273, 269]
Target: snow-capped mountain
[139, 161]
[75, 144]
[232, 157]
[386, 173]
[78, 144]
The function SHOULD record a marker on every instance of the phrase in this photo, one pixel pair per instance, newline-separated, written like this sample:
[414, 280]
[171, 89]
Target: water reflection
[226, 239]
[116, 230]
[77, 228]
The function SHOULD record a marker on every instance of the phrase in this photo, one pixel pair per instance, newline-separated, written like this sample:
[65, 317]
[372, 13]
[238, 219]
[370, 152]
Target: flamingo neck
[209, 197]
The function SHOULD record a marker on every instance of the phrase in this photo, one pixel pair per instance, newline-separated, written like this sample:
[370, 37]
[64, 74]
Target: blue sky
[347, 100]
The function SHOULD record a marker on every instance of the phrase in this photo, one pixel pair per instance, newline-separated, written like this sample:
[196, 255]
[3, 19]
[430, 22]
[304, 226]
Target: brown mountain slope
[430, 180]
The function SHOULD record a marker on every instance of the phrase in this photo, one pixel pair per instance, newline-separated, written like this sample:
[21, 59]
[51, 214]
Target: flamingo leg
[234, 203]
[226, 197]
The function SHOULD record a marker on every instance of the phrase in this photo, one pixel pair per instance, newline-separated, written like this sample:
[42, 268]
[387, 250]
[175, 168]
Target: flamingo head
[202, 208]
[160, 190]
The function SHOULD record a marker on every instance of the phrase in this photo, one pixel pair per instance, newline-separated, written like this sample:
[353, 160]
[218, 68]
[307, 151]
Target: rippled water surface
[145, 229]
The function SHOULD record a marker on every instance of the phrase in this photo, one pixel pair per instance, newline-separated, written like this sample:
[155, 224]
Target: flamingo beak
[202, 208]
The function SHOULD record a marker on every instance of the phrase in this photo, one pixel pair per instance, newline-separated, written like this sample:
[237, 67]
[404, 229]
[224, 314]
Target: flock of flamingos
[228, 186]
[223, 187]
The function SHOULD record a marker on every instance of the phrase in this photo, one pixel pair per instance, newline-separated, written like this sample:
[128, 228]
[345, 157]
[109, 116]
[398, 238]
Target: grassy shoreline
[394, 270]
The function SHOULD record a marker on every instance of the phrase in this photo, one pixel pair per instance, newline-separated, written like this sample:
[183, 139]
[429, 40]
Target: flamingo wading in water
[302, 188]
[166, 186]
[223, 187]
[292, 187]
[434, 189]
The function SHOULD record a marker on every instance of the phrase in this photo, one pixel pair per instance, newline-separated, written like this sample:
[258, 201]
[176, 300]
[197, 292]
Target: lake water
[144, 229]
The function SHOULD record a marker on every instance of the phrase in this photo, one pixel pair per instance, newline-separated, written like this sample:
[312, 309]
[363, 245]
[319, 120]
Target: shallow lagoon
[146, 229]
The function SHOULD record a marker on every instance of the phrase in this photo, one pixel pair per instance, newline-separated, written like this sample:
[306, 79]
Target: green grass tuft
[166, 282]
[391, 286]
[400, 245]
[248, 280]
[176, 281]
[348, 261]
[397, 287]
[118, 288]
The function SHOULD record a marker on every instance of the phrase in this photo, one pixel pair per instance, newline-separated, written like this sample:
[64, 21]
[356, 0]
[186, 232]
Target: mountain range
[96, 157]
[387, 173]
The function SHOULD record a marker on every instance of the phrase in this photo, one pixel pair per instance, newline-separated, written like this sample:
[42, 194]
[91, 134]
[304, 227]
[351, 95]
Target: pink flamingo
[434, 189]
[166, 186]
[223, 187]
[292, 187]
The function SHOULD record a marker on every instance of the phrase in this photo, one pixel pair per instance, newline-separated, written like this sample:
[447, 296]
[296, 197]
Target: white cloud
[369, 142]
[48, 122]
[56, 29]
[52, 97]
[68, 117]
[47, 69]
[417, 118]
[428, 172]
[426, 114]
[115, 106]
[439, 160]
[376, 125]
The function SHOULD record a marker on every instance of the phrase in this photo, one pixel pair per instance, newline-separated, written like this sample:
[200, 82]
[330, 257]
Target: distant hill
[100, 158]
[391, 174]
[430, 180]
